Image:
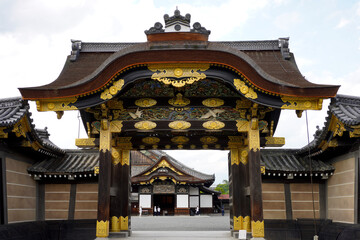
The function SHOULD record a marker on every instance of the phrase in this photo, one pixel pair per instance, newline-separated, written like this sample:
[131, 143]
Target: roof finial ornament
[177, 23]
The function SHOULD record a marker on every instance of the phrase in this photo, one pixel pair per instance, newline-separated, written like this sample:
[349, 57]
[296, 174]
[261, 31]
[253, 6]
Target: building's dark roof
[346, 109]
[272, 63]
[12, 110]
[73, 162]
[286, 161]
[184, 168]
[83, 161]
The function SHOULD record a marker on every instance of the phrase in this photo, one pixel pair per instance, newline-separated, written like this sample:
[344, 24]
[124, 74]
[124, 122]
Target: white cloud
[358, 9]
[342, 23]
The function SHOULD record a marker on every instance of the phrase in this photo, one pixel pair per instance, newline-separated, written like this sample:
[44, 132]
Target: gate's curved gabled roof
[267, 64]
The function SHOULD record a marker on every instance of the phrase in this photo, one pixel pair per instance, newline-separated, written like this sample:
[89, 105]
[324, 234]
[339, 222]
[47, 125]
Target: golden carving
[116, 104]
[339, 129]
[21, 128]
[124, 143]
[116, 126]
[96, 170]
[163, 164]
[115, 224]
[151, 140]
[275, 141]
[145, 125]
[242, 125]
[208, 140]
[243, 103]
[235, 142]
[237, 223]
[257, 229]
[56, 104]
[125, 157]
[113, 90]
[145, 102]
[254, 139]
[234, 155]
[245, 90]
[333, 143]
[246, 224]
[178, 75]
[167, 146]
[179, 125]
[2, 133]
[355, 132]
[85, 142]
[124, 223]
[179, 101]
[180, 139]
[115, 155]
[213, 102]
[244, 157]
[213, 125]
[192, 146]
[105, 140]
[302, 103]
[262, 169]
[102, 228]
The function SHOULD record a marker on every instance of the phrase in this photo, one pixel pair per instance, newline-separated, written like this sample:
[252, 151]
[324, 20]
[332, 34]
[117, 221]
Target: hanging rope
[311, 174]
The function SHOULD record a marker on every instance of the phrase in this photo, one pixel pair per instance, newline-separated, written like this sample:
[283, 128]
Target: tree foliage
[223, 187]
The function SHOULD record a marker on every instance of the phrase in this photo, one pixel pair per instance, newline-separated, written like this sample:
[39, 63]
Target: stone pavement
[181, 227]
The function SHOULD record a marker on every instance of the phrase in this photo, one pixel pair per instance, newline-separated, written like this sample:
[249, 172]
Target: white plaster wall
[145, 200]
[182, 201]
[206, 201]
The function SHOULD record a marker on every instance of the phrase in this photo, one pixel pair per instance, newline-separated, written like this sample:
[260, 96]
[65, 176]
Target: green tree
[223, 187]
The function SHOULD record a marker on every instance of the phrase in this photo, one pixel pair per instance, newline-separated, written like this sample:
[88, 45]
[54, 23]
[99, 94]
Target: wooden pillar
[124, 191]
[257, 220]
[245, 197]
[115, 199]
[230, 193]
[238, 156]
[237, 189]
[102, 224]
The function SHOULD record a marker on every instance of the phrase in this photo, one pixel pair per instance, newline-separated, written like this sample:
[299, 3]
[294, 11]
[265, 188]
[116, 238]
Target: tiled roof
[74, 161]
[346, 109]
[287, 161]
[83, 161]
[12, 110]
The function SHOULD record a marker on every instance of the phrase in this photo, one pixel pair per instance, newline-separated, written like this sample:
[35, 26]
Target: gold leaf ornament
[244, 89]
[151, 140]
[213, 102]
[145, 102]
[179, 125]
[180, 139]
[113, 90]
[213, 125]
[145, 125]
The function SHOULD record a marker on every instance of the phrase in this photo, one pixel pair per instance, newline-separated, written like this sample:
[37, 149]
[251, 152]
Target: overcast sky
[35, 40]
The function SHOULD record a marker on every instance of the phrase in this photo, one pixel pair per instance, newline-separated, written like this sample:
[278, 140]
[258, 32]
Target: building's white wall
[206, 201]
[194, 191]
[194, 201]
[182, 201]
[145, 200]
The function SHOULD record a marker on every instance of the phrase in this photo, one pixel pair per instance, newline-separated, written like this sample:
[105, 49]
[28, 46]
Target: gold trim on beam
[302, 103]
[113, 90]
[56, 105]
[274, 141]
[248, 92]
[86, 142]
